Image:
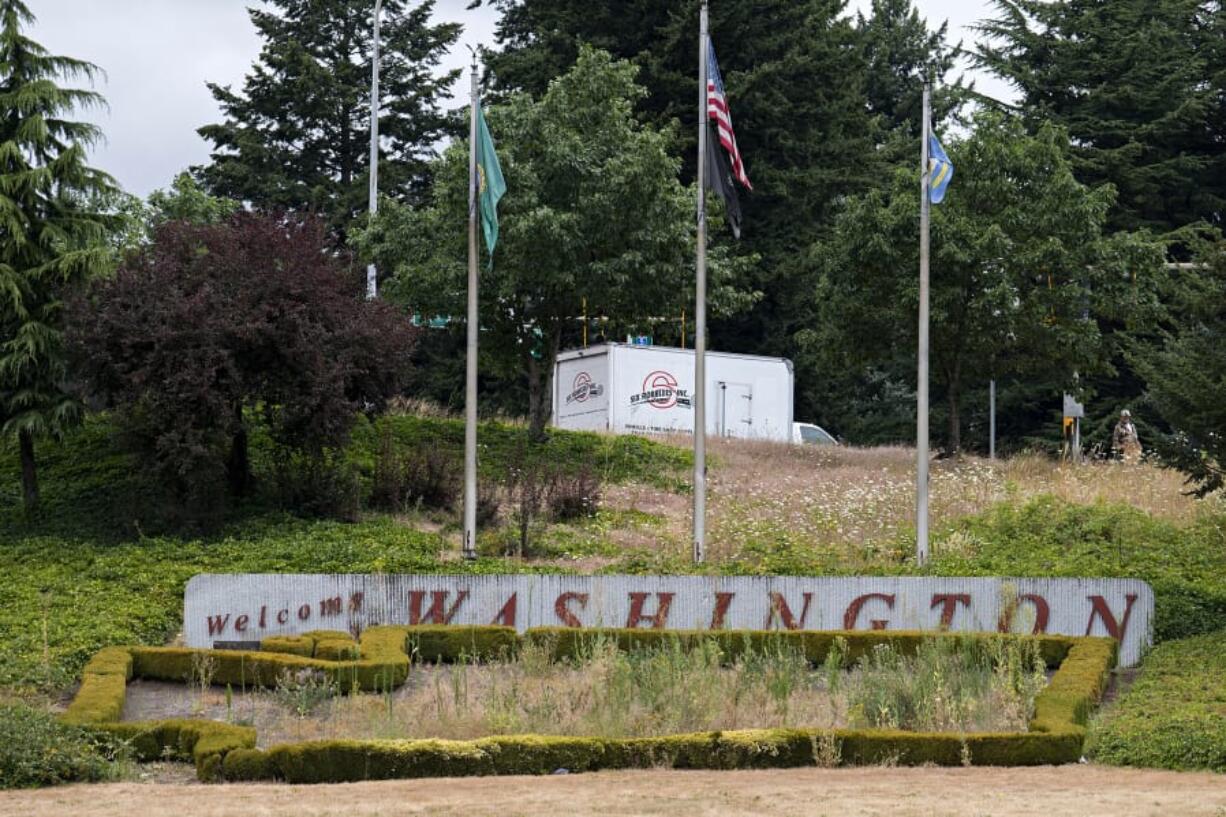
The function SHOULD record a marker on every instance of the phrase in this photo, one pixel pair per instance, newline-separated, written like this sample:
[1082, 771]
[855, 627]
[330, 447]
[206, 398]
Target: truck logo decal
[583, 388]
[660, 391]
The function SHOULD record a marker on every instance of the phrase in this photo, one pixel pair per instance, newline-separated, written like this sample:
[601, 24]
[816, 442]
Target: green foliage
[1016, 246]
[1139, 86]
[36, 749]
[1172, 716]
[567, 643]
[1047, 537]
[437, 643]
[594, 213]
[51, 239]
[1186, 375]
[297, 136]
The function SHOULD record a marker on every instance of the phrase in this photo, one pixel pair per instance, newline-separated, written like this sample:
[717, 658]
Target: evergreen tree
[1186, 373]
[297, 137]
[1140, 87]
[900, 53]
[51, 240]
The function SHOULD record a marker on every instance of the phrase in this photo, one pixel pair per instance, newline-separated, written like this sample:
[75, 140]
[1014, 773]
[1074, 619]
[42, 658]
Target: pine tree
[297, 137]
[1139, 85]
[50, 239]
[900, 52]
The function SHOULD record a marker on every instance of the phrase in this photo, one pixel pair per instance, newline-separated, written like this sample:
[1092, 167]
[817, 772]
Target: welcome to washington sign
[249, 607]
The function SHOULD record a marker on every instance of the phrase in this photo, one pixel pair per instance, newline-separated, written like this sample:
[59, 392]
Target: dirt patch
[1086, 791]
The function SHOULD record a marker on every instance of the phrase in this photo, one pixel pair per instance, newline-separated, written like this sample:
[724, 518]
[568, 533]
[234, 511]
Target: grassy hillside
[97, 567]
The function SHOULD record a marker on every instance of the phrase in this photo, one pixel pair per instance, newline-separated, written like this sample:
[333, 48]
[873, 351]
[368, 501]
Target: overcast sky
[158, 54]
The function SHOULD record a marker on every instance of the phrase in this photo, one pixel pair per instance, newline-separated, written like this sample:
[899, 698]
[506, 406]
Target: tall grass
[672, 688]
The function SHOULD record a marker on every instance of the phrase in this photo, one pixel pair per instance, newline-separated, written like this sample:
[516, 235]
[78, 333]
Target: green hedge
[445, 644]
[1174, 715]
[221, 751]
[568, 643]
[99, 702]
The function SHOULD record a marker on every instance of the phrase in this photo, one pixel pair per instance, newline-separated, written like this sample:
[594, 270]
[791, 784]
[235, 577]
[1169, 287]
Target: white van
[810, 434]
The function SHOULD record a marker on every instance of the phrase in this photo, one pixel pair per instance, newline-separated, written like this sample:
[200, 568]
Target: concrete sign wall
[248, 607]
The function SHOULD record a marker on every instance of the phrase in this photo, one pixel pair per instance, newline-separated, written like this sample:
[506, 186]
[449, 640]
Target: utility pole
[372, 278]
[921, 418]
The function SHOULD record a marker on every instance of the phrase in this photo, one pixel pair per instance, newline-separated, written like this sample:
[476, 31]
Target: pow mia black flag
[719, 180]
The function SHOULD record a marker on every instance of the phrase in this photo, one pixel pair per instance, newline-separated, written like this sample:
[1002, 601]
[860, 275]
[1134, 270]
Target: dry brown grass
[860, 499]
[1086, 791]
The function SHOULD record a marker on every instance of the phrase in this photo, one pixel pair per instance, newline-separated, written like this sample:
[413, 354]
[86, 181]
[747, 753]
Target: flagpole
[372, 277]
[470, 380]
[921, 418]
[700, 308]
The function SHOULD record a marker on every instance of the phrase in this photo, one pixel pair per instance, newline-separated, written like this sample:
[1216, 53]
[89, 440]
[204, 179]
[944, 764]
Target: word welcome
[249, 607]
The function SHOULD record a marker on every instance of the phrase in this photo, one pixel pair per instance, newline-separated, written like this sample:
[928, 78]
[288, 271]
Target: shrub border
[226, 752]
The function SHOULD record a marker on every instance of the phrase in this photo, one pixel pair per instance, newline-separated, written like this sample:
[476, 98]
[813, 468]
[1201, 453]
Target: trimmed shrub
[289, 644]
[444, 644]
[568, 643]
[222, 751]
[1174, 716]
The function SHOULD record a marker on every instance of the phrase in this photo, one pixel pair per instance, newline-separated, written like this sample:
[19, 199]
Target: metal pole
[470, 379]
[921, 418]
[992, 419]
[700, 308]
[372, 278]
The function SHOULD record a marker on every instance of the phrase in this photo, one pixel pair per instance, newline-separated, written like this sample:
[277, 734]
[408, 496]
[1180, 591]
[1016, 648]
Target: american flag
[717, 109]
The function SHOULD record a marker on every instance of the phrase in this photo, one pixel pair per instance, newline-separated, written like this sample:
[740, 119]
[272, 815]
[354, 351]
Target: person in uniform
[1124, 441]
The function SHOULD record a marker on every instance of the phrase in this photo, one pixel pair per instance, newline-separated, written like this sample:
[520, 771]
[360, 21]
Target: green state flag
[490, 184]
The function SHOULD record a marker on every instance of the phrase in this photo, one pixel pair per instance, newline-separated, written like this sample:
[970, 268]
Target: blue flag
[940, 169]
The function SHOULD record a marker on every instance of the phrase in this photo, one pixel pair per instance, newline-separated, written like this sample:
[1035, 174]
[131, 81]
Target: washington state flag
[490, 184]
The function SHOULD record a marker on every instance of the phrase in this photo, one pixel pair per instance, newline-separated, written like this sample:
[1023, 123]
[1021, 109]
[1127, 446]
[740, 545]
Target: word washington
[249, 607]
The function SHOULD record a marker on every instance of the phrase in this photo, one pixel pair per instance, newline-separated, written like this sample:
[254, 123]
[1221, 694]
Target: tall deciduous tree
[1018, 253]
[213, 322]
[51, 239]
[297, 137]
[1140, 87]
[593, 211]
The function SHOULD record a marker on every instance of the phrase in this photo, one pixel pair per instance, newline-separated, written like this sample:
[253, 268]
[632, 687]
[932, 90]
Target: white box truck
[629, 389]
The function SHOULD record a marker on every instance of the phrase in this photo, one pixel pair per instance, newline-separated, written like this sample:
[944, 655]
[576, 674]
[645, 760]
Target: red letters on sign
[438, 612]
[240, 623]
[506, 616]
[1101, 610]
[853, 610]
[658, 619]
[1042, 612]
[722, 602]
[282, 616]
[218, 623]
[779, 611]
[562, 609]
[949, 603]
